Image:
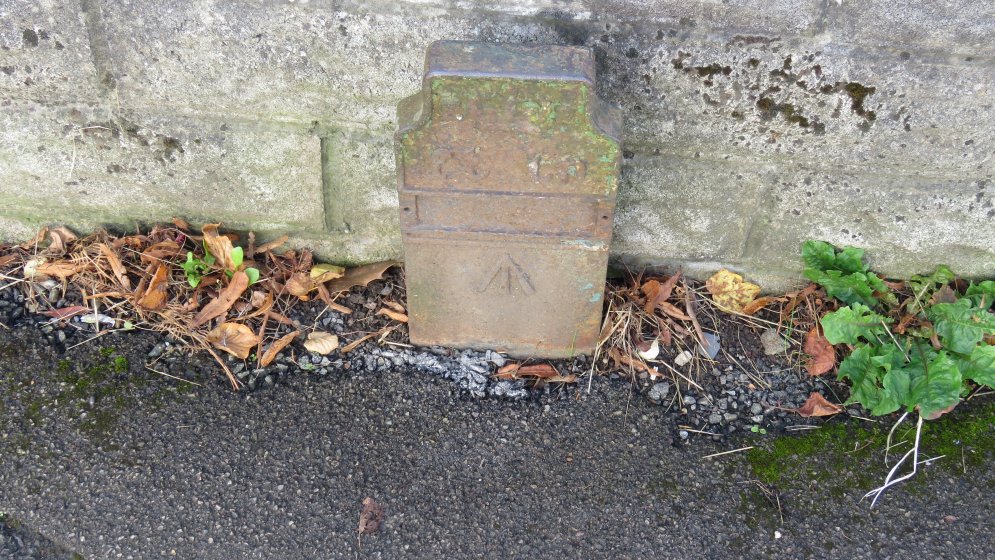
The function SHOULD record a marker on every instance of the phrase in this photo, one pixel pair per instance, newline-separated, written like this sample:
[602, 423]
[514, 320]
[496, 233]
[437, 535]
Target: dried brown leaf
[61, 238]
[39, 237]
[339, 308]
[7, 259]
[158, 291]
[258, 298]
[360, 276]
[117, 266]
[394, 305]
[66, 312]
[370, 517]
[321, 342]
[661, 293]
[279, 318]
[162, 251]
[267, 247]
[355, 343]
[274, 349]
[221, 304]
[219, 245]
[823, 355]
[817, 405]
[59, 269]
[758, 304]
[673, 311]
[945, 294]
[394, 315]
[518, 371]
[300, 284]
[234, 338]
[180, 223]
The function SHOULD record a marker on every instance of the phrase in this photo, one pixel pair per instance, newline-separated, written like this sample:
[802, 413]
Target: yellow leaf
[730, 292]
[234, 338]
[321, 273]
[321, 342]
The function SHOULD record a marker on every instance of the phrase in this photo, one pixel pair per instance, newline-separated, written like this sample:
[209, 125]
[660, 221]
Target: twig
[172, 376]
[690, 429]
[887, 330]
[694, 318]
[727, 452]
[682, 376]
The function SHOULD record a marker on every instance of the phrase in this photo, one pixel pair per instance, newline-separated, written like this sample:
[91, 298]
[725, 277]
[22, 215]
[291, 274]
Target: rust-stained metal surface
[508, 166]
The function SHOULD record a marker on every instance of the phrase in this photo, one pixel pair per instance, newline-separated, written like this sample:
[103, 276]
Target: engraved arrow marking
[508, 278]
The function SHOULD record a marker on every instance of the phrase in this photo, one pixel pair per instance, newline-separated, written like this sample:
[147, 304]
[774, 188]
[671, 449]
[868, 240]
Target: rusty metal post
[508, 166]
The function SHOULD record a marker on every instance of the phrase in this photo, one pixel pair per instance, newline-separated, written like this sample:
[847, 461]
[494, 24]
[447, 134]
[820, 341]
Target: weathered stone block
[508, 167]
[361, 222]
[963, 27]
[907, 224]
[89, 165]
[685, 209]
[45, 52]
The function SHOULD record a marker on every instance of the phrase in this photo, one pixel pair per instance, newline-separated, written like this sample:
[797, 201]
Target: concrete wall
[750, 125]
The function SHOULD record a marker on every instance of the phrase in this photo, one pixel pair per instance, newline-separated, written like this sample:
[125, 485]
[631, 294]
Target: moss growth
[121, 365]
[843, 457]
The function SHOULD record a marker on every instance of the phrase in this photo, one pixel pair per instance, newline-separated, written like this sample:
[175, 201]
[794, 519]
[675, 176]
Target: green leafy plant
[918, 345]
[758, 430]
[197, 268]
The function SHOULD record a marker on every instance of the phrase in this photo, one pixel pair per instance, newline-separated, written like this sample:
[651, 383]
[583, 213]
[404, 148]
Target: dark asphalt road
[282, 473]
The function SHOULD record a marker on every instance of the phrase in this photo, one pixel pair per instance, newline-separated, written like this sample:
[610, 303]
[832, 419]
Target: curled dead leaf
[518, 371]
[267, 247]
[61, 238]
[355, 343]
[817, 405]
[321, 342]
[58, 269]
[730, 292]
[234, 338]
[758, 304]
[162, 251]
[220, 305]
[360, 276]
[274, 349]
[672, 310]
[822, 354]
[117, 267]
[157, 293]
[220, 246]
[393, 315]
[656, 292]
[394, 305]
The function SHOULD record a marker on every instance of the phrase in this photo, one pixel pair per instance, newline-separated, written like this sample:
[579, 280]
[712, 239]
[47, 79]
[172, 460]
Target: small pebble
[682, 359]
